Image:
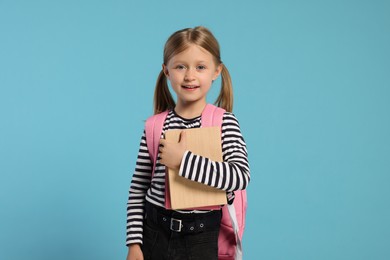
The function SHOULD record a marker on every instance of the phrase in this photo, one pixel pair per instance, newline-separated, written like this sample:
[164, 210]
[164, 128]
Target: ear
[218, 71]
[165, 70]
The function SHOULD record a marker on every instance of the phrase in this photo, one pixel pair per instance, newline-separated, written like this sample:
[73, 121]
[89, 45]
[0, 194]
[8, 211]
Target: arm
[135, 252]
[140, 183]
[231, 174]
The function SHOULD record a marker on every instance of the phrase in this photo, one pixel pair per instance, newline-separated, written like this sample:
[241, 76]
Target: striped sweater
[230, 175]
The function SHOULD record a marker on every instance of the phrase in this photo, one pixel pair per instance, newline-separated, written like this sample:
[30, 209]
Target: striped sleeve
[231, 174]
[139, 185]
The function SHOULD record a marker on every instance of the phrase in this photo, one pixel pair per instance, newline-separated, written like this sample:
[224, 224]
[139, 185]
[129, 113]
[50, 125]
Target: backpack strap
[153, 130]
[212, 116]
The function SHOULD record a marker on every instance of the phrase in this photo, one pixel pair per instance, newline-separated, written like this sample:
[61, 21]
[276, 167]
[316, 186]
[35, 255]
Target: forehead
[191, 54]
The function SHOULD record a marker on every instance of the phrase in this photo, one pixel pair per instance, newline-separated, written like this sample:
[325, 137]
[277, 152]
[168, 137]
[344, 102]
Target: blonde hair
[179, 42]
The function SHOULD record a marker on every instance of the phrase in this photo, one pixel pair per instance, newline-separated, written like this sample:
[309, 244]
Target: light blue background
[311, 82]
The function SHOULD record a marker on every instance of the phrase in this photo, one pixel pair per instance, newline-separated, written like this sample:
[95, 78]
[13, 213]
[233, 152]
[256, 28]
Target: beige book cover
[185, 193]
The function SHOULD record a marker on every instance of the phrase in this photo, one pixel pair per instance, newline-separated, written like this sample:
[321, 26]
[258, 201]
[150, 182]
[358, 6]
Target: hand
[135, 252]
[172, 153]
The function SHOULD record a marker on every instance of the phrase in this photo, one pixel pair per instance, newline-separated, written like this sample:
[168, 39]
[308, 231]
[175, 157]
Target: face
[191, 74]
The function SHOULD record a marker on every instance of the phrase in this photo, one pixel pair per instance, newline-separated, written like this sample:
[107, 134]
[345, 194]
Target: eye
[201, 67]
[180, 67]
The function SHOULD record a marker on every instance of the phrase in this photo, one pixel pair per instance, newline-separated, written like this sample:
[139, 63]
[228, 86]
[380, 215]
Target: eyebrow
[200, 61]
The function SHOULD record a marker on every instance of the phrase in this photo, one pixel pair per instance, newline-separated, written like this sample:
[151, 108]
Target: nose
[189, 76]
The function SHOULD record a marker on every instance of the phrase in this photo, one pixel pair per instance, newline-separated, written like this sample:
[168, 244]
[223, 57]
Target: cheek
[212, 77]
[174, 76]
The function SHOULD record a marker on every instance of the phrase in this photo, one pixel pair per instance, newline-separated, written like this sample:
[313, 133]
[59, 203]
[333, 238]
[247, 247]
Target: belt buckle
[176, 225]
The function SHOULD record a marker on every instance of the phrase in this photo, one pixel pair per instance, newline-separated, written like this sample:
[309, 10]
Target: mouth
[190, 87]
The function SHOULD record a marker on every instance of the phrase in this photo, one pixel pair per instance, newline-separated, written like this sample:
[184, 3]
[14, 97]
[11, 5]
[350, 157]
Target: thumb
[183, 137]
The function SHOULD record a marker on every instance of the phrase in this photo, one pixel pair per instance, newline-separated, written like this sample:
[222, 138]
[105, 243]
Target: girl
[191, 63]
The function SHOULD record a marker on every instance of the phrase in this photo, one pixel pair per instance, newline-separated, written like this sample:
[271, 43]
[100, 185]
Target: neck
[190, 110]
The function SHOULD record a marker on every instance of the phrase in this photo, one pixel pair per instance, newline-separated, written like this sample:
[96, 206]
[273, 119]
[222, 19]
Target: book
[189, 194]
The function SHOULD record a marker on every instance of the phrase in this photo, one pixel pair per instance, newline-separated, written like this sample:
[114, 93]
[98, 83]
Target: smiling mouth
[190, 87]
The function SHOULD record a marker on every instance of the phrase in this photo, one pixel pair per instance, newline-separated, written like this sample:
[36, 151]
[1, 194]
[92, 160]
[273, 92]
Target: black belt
[175, 221]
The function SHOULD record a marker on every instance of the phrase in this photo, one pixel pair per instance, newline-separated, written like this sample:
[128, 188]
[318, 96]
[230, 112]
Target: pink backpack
[233, 216]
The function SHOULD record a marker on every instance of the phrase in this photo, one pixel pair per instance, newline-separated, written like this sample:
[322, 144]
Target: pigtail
[225, 98]
[163, 99]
